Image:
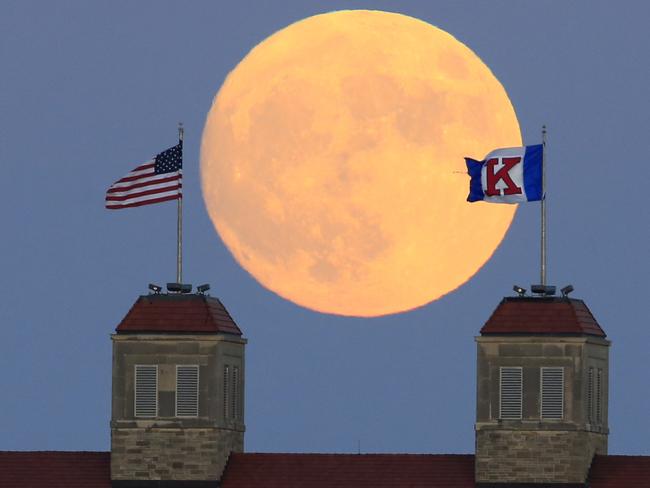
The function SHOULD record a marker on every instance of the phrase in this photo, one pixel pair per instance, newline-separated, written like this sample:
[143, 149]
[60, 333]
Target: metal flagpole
[179, 228]
[543, 207]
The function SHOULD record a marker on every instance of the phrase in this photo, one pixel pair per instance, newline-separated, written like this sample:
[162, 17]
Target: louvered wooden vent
[510, 393]
[236, 410]
[590, 395]
[552, 393]
[226, 391]
[146, 390]
[187, 391]
[599, 396]
[232, 393]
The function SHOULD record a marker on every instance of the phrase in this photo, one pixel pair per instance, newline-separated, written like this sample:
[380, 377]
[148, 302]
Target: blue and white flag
[510, 175]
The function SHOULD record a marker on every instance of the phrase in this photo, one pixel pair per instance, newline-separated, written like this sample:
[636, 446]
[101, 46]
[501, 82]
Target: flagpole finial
[181, 131]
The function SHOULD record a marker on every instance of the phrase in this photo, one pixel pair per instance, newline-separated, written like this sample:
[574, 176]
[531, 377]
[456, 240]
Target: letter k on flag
[509, 175]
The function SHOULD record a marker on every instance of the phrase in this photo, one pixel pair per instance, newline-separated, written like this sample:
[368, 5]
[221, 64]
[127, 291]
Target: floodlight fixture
[155, 288]
[546, 290]
[186, 288]
[566, 290]
[519, 290]
[203, 288]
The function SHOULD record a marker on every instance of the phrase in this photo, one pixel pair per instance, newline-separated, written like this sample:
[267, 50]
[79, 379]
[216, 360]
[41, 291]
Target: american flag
[155, 181]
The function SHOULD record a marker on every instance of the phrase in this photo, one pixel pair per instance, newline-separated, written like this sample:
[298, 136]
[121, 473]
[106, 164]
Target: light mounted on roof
[519, 290]
[203, 288]
[155, 288]
[566, 290]
[179, 288]
[546, 290]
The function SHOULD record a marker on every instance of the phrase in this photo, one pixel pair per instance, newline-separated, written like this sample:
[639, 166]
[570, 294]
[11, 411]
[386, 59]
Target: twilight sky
[90, 89]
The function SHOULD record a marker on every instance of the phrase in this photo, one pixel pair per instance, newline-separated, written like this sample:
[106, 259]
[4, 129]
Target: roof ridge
[494, 312]
[574, 311]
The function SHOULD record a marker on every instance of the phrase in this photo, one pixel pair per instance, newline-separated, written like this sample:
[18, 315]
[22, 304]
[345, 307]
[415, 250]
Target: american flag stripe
[177, 187]
[135, 175]
[174, 196]
[143, 180]
[121, 189]
[155, 181]
[141, 192]
[142, 169]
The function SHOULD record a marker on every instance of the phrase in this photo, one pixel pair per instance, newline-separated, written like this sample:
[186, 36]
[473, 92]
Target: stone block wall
[526, 456]
[172, 453]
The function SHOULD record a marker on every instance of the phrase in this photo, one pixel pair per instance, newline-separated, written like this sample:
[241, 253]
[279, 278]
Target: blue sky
[90, 89]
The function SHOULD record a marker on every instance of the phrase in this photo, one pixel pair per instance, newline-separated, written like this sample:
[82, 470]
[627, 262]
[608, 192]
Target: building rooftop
[619, 472]
[55, 469]
[348, 470]
[58, 469]
[542, 315]
[178, 313]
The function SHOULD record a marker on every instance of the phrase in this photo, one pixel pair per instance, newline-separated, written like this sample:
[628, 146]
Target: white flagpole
[543, 207]
[179, 227]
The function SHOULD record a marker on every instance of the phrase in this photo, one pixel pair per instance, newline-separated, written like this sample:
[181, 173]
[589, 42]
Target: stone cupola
[178, 392]
[542, 389]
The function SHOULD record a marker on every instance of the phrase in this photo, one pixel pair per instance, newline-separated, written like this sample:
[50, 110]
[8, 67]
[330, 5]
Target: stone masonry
[172, 454]
[536, 456]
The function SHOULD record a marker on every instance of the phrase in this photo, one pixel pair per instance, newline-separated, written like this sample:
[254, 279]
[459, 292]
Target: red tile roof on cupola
[620, 472]
[544, 315]
[251, 470]
[55, 469]
[178, 313]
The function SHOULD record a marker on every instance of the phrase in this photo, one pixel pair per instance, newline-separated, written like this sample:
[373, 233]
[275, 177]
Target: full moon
[332, 162]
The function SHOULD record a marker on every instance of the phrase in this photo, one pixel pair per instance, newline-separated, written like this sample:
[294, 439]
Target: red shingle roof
[246, 470]
[548, 315]
[66, 469]
[55, 469]
[178, 313]
[620, 472]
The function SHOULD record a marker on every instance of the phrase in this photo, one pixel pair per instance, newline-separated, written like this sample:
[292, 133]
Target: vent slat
[552, 393]
[187, 391]
[599, 396]
[590, 395]
[510, 407]
[146, 391]
[235, 393]
[226, 391]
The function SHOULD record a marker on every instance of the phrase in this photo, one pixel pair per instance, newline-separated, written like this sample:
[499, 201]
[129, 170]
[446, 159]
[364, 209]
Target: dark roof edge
[545, 334]
[176, 333]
